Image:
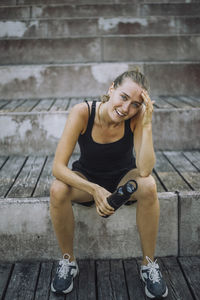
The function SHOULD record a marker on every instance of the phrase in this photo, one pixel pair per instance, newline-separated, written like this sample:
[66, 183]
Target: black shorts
[110, 183]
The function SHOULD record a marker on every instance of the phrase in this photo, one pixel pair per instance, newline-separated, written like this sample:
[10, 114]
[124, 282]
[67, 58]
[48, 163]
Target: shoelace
[64, 267]
[153, 270]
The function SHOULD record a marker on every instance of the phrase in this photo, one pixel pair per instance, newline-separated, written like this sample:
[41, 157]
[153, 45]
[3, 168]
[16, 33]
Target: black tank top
[108, 159]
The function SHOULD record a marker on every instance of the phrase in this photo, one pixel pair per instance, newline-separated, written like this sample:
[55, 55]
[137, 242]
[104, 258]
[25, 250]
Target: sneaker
[65, 273]
[155, 286]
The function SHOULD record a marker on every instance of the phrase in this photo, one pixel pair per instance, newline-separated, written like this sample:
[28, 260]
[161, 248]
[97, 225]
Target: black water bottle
[122, 195]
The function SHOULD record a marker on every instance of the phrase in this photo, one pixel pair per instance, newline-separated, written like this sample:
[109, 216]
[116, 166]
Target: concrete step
[99, 10]
[97, 27]
[35, 125]
[96, 49]
[43, 81]
[26, 230]
[28, 2]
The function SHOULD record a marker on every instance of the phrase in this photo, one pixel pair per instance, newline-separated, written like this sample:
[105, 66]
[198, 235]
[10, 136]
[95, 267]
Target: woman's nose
[125, 107]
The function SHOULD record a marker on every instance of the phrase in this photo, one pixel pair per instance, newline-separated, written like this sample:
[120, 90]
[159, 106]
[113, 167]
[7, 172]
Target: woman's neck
[103, 117]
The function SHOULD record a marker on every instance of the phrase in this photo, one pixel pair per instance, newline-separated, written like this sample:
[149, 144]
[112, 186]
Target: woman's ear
[111, 88]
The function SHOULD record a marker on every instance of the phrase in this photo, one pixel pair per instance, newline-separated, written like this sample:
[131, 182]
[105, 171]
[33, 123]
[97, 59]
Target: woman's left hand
[147, 117]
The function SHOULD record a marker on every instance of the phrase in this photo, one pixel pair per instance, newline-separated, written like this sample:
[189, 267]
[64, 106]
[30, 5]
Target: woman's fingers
[147, 101]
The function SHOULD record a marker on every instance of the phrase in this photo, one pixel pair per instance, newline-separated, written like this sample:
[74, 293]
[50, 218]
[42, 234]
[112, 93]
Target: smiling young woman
[107, 133]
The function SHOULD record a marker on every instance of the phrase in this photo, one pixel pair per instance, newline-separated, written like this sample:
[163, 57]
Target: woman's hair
[135, 75]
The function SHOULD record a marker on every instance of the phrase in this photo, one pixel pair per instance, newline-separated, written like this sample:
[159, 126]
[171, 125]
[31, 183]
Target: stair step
[35, 125]
[94, 27]
[43, 81]
[91, 49]
[30, 176]
[25, 220]
[99, 10]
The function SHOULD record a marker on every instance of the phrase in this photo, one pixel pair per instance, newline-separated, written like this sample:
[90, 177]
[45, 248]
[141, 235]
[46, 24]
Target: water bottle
[122, 195]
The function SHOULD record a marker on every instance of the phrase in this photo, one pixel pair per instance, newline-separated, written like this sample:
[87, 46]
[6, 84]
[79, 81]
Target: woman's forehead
[131, 88]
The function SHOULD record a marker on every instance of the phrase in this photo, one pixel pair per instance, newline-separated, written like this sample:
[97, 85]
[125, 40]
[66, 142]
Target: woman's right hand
[100, 197]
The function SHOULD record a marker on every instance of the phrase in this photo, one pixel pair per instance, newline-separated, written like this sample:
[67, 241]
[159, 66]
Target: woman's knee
[59, 192]
[147, 188]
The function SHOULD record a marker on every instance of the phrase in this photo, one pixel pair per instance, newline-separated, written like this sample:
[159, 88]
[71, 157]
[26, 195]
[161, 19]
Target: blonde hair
[135, 75]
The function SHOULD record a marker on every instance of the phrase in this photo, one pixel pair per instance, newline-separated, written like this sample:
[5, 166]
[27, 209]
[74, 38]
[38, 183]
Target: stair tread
[64, 104]
[31, 176]
[33, 278]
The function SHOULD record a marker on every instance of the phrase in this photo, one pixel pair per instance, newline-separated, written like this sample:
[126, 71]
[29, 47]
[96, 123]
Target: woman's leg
[62, 216]
[148, 211]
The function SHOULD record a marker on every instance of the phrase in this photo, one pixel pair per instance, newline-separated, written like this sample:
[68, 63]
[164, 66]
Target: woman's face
[125, 101]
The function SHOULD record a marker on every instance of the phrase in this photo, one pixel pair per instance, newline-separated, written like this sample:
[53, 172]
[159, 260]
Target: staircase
[54, 54]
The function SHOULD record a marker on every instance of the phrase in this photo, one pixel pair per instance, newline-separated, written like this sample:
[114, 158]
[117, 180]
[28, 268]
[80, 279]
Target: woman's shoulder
[80, 112]
[80, 108]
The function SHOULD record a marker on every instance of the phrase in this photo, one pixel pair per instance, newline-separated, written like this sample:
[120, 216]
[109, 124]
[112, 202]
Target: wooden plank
[160, 188]
[162, 103]
[117, 278]
[27, 106]
[197, 99]
[104, 285]
[27, 179]
[44, 281]
[171, 180]
[177, 285]
[193, 157]
[5, 272]
[43, 105]
[87, 284]
[190, 101]
[60, 105]
[3, 103]
[191, 270]
[9, 172]
[12, 105]
[177, 102]
[3, 160]
[179, 161]
[23, 281]
[184, 167]
[46, 178]
[134, 283]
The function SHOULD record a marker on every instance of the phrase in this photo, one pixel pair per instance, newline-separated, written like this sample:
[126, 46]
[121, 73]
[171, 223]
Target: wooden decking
[99, 279]
[31, 176]
[63, 104]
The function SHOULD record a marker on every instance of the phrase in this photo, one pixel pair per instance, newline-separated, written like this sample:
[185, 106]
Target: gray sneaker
[65, 273]
[155, 286]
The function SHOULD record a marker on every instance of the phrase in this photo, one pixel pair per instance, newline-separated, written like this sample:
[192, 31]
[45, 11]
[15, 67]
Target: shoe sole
[148, 294]
[70, 288]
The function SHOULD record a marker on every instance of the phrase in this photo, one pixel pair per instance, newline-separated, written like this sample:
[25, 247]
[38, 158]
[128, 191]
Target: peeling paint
[15, 28]
[22, 130]
[22, 73]
[107, 24]
[8, 126]
[106, 73]
[52, 125]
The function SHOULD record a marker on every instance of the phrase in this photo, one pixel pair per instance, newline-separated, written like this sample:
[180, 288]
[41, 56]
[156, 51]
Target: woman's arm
[75, 125]
[143, 141]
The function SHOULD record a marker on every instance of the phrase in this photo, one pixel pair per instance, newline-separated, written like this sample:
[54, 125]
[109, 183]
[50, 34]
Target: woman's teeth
[119, 113]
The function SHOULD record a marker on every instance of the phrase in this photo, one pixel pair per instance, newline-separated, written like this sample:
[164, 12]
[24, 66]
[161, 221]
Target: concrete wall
[26, 231]
[39, 132]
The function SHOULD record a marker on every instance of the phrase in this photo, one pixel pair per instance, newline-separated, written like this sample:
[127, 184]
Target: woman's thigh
[143, 183]
[62, 190]
[79, 196]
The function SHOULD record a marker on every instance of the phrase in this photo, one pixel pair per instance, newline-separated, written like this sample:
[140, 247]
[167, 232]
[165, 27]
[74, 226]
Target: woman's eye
[123, 97]
[135, 105]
